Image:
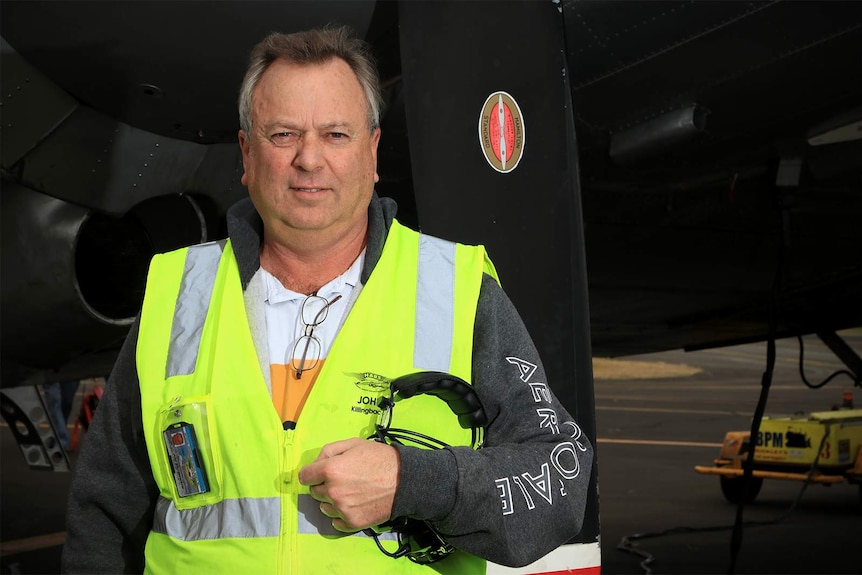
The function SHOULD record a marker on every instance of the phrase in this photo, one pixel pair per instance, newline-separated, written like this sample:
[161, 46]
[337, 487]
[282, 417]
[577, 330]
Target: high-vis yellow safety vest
[230, 500]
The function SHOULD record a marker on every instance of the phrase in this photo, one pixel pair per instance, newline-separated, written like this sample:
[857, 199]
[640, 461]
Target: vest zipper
[287, 562]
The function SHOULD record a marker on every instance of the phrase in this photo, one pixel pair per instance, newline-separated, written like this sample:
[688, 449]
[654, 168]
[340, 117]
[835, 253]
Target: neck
[305, 267]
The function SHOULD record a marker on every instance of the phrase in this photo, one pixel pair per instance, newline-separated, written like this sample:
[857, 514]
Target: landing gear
[24, 411]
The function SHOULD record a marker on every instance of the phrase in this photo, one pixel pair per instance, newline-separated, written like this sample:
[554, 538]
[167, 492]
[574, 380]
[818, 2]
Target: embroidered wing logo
[370, 382]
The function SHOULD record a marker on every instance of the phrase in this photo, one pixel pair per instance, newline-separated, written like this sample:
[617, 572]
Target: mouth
[307, 190]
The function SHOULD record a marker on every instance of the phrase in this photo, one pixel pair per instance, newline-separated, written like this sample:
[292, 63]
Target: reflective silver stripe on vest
[193, 302]
[246, 517]
[435, 304]
[312, 521]
[229, 518]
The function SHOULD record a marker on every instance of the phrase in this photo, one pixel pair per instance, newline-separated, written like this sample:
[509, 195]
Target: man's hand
[355, 481]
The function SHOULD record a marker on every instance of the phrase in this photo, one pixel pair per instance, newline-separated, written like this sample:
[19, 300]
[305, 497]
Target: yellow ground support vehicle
[823, 447]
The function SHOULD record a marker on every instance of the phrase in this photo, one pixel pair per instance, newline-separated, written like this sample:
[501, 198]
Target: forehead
[328, 88]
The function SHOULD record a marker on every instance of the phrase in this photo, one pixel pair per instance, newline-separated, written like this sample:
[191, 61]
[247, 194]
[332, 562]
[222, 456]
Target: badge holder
[189, 474]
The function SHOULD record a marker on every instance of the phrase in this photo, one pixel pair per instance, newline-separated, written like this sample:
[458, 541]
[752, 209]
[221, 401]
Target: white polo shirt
[284, 327]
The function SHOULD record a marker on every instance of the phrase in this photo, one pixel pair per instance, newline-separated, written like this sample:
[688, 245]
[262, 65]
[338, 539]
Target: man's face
[311, 160]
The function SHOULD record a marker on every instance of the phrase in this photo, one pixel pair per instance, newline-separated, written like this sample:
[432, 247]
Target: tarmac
[651, 433]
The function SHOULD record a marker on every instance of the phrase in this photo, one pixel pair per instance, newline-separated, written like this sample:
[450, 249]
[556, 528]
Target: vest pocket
[190, 462]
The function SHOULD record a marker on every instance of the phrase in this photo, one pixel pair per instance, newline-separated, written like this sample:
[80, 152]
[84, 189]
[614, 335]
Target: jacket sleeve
[113, 494]
[524, 493]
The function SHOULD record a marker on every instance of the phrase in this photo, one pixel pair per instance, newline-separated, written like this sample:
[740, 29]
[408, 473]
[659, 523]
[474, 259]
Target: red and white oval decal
[501, 132]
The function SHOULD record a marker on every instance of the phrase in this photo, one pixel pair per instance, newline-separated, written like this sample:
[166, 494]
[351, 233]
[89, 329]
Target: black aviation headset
[417, 539]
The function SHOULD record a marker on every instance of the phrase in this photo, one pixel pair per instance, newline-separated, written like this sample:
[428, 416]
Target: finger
[314, 472]
[341, 525]
[319, 493]
[338, 447]
[329, 510]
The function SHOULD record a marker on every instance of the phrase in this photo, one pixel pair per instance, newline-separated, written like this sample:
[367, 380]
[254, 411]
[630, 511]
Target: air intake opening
[113, 254]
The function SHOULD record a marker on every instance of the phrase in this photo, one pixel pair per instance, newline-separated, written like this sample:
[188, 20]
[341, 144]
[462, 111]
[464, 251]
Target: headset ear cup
[457, 393]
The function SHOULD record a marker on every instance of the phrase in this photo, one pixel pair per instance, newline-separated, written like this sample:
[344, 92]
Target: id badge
[189, 475]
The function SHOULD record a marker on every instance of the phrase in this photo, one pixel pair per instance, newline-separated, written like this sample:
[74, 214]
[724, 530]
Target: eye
[283, 137]
[337, 136]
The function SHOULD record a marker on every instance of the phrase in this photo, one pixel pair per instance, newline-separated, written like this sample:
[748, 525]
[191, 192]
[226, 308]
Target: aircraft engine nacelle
[73, 278]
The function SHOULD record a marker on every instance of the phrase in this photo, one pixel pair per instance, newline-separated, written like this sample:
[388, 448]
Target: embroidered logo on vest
[374, 386]
[372, 382]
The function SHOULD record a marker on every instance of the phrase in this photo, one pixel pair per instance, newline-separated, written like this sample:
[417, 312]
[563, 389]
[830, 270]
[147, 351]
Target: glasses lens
[306, 353]
[314, 310]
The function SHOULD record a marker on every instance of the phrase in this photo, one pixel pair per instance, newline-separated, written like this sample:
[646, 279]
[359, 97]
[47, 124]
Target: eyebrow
[342, 126]
[338, 125]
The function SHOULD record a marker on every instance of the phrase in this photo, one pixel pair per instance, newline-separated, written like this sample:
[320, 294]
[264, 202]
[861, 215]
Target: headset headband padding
[457, 393]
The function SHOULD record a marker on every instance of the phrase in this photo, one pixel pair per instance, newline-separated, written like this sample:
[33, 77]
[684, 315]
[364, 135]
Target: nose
[309, 153]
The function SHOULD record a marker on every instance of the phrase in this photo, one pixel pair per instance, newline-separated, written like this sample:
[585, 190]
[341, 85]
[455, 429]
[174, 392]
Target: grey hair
[316, 46]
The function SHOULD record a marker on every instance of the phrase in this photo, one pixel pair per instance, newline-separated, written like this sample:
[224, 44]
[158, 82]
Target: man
[59, 397]
[270, 355]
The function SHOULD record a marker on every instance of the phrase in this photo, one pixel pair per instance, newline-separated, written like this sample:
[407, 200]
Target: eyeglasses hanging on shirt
[313, 313]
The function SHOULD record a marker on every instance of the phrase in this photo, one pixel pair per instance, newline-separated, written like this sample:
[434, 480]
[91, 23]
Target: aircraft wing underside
[716, 159]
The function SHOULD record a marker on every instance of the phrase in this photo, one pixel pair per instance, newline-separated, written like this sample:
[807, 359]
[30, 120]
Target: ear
[375, 141]
[245, 147]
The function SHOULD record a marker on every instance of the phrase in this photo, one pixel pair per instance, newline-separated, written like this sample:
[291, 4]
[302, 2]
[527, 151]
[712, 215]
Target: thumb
[313, 473]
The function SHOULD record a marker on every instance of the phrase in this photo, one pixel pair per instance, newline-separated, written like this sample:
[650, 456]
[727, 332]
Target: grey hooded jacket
[511, 502]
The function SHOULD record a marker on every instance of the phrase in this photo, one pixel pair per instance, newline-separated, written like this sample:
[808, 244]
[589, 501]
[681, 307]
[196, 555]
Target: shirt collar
[343, 284]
